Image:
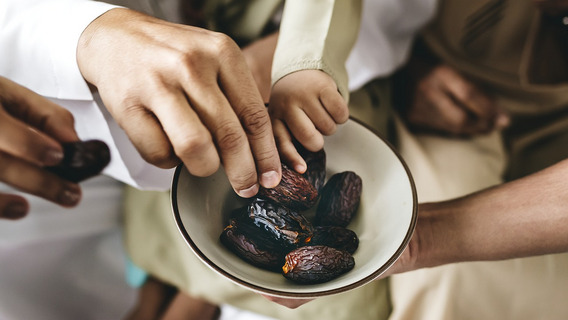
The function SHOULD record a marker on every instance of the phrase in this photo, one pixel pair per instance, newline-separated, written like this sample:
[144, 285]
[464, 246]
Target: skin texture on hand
[32, 129]
[305, 106]
[444, 101]
[181, 93]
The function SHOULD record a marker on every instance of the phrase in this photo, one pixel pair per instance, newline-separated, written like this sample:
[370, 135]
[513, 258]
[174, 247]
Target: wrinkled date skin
[340, 198]
[336, 237]
[316, 264]
[316, 162]
[254, 250]
[285, 225]
[82, 160]
[294, 191]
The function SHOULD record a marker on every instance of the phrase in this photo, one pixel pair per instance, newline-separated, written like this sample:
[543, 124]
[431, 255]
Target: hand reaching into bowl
[189, 89]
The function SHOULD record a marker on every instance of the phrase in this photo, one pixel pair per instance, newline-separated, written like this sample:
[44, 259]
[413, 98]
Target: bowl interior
[384, 222]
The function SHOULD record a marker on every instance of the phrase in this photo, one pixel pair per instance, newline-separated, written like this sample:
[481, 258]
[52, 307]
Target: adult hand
[442, 100]
[31, 130]
[181, 93]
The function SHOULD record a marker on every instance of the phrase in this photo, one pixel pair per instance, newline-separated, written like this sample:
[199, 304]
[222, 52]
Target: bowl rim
[304, 295]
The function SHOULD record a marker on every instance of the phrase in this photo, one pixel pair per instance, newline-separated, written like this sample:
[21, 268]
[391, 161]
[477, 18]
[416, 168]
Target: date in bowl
[384, 222]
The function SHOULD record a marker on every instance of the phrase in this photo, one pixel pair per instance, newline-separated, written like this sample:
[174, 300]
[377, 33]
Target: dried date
[251, 248]
[336, 237]
[294, 191]
[316, 264]
[284, 224]
[82, 160]
[339, 199]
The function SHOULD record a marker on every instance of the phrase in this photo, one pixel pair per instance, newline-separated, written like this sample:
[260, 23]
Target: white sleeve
[38, 44]
[388, 28]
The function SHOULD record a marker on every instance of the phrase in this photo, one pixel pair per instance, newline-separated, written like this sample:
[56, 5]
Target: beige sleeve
[317, 34]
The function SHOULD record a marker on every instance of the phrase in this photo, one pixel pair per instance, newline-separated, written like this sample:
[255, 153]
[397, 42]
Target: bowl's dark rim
[314, 294]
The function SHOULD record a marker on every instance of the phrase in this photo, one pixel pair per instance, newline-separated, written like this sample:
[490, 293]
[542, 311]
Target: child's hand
[305, 105]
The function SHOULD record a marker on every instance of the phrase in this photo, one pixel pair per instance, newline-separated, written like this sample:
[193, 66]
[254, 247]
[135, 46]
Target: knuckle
[161, 157]
[222, 43]
[327, 127]
[196, 143]
[243, 179]
[256, 121]
[230, 138]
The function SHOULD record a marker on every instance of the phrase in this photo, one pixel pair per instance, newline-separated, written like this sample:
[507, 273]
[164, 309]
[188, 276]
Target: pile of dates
[273, 232]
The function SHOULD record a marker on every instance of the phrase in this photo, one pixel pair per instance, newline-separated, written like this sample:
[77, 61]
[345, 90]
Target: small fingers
[288, 151]
[335, 105]
[303, 129]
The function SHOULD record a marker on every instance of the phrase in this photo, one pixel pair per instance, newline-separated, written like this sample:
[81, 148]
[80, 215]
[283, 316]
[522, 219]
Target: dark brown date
[82, 160]
[316, 264]
[336, 237]
[316, 162]
[252, 249]
[283, 224]
[339, 201]
[294, 191]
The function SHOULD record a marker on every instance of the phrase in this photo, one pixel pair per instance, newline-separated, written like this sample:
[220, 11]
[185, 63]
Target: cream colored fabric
[491, 54]
[317, 34]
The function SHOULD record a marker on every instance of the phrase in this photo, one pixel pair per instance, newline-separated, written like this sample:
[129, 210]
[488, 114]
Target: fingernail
[269, 179]
[52, 157]
[15, 211]
[301, 168]
[249, 192]
[70, 196]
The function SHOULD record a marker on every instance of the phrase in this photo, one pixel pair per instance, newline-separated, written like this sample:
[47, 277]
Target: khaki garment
[155, 244]
[491, 42]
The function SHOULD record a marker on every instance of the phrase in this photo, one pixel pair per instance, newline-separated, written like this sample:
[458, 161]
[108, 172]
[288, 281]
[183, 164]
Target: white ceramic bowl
[384, 222]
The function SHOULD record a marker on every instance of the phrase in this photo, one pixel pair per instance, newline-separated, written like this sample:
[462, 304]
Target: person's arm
[317, 35]
[181, 94]
[310, 86]
[38, 45]
[523, 218]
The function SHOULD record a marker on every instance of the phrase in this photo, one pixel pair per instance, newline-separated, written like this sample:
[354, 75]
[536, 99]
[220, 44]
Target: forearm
[523, 218]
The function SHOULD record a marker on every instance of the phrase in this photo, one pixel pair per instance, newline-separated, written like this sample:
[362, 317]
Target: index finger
[241, 91]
